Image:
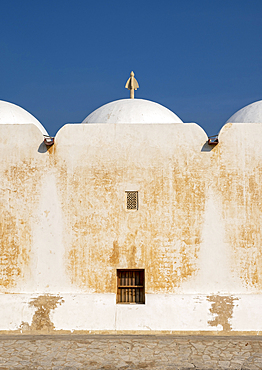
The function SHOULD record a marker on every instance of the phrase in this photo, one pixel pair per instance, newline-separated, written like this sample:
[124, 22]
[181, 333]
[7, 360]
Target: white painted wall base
[99, 312]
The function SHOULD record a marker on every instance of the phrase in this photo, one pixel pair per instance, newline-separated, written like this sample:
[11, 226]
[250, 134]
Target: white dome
[13, 114]
[132, 111]
[252, 113]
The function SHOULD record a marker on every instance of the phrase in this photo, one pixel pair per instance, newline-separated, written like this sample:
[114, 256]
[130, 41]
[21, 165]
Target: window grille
[131, 200]
[131, 286]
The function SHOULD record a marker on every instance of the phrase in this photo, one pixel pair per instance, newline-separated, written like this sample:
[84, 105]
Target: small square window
[131, 200]
[131, 286]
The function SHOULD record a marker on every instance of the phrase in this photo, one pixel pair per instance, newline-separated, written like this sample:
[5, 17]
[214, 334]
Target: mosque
[131, 222]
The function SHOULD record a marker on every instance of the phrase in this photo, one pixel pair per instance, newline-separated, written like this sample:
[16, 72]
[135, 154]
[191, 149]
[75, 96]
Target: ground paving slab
[109, 352]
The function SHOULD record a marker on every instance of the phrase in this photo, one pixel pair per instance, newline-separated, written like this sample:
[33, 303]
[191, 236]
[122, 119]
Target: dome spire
[132, 85]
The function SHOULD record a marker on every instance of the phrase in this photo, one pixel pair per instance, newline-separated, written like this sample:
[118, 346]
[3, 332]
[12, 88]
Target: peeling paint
[222, 307]
[41, 319]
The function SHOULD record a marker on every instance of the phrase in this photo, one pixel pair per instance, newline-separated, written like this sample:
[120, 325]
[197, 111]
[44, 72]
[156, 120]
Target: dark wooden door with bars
[131, 286]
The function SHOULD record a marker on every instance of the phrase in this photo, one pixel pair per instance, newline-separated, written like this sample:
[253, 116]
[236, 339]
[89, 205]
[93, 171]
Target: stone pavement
[110, 352]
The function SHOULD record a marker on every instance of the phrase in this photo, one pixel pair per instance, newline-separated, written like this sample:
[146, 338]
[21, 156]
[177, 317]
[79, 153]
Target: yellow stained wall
[95, 168]
[94, 165]
[21, 173]
[237, 169]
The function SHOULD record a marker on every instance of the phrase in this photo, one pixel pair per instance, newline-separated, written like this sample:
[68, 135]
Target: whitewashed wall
[64, 228]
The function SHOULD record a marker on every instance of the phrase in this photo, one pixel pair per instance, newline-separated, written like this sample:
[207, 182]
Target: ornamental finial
[132, 85]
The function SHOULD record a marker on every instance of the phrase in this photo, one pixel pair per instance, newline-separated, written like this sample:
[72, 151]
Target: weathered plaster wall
[65, 230]
[237, 161]
[95, 165]
[21, 173]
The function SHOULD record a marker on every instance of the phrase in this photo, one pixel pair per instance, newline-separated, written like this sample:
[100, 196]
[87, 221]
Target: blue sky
[62, 59]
